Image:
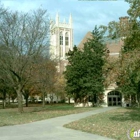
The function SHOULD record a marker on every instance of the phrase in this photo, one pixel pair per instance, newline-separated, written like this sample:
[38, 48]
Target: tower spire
[57, 19]
[70, 20]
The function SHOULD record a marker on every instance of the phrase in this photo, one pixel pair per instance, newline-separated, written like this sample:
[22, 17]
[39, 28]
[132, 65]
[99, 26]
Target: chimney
[124, 26]
[124, 20]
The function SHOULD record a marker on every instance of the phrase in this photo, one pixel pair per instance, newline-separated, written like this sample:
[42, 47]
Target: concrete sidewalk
[51, 129]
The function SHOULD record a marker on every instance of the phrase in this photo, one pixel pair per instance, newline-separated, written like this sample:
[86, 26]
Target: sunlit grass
[113, 124]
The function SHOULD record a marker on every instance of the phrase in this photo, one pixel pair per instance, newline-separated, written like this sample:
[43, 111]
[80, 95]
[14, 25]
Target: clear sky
[86, 13]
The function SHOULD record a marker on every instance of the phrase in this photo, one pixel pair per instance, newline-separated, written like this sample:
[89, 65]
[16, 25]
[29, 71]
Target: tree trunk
[26, 96]
[19, 96]
[69, 99]
[26, 99]
[4, 99]
[43, 100]
[94, 100]
[12, 100]
[9, 99]
[138, 101]
[4, 103]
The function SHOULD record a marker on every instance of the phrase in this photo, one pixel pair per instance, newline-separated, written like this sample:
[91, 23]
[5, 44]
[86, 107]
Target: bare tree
[23, 37]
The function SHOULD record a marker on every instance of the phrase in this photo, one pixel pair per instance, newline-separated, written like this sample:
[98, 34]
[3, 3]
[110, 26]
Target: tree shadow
[131, 114]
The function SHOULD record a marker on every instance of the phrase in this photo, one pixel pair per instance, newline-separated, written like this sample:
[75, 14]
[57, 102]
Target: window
[66, 39]
[61, 38]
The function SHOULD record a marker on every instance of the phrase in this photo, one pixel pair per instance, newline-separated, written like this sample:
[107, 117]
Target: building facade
[111, 96]
[61, 40]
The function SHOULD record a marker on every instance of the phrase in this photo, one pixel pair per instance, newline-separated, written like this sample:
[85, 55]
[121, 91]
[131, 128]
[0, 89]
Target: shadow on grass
[130, 114]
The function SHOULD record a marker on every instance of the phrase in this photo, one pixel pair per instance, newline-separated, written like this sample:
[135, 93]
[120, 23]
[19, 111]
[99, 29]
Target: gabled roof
[85, 39]
[113, 45]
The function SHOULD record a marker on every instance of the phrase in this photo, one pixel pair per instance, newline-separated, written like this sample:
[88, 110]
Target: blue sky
[86, 13]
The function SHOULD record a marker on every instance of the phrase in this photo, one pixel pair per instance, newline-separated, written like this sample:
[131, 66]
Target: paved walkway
[51, 129]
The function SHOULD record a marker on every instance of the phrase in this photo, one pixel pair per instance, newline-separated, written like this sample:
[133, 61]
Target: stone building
[112, 97]
[61, 40]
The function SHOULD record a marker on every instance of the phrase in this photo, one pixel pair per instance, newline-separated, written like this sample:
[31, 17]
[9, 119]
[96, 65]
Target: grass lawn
[10, 116]
[113, 124]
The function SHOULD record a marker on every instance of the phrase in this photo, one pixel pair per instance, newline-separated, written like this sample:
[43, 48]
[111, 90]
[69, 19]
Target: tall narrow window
[61, 38]
[66, 39]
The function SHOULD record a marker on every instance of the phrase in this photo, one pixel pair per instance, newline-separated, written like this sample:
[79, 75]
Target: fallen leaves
[113, 124]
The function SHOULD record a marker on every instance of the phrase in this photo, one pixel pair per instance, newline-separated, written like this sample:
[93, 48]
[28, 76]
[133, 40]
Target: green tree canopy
[84, 74]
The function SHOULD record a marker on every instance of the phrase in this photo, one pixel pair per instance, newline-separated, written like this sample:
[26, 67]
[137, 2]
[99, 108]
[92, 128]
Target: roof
[85, 39]
[113, 45]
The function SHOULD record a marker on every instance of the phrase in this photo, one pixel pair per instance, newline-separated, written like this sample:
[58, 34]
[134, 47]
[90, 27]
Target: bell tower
[61, 38]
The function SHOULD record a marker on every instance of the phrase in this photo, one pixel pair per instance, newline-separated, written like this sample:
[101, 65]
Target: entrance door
[109, 101]
[114, 98]
[119, 100]
[114, 101]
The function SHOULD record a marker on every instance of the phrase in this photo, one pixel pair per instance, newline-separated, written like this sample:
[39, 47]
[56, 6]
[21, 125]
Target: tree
[110, 70]
[45, 75]
[60, 86]
[3, 92]
[23, 37]
[134, 10]
[84, 74]
[26, 92]
[127, 73]
[128, 78]
[5, 85]
[128, 28]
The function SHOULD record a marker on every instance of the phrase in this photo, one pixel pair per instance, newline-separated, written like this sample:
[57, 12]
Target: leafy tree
[84, 74]
[125, 71]
[128, 28]
[60, 86]
[132, 40]
[26, 92]
[116, 29]
[129, 72]
[110, 70]
[134, 10]
[45, 75]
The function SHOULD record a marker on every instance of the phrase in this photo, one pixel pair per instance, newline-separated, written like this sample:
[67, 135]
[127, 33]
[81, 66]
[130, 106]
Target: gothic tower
[61, 38]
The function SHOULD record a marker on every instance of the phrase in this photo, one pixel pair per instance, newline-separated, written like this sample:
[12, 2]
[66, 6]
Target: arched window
[66, 39]
[61, 38]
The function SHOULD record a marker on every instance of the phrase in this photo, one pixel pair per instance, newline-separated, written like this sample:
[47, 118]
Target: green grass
[10, 116]
[113, 124]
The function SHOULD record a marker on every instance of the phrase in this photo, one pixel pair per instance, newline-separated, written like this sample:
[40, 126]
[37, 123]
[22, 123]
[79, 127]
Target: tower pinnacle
[57, 18]
[70, 20]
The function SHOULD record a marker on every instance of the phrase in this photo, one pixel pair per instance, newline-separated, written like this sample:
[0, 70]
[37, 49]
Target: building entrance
[114, 98]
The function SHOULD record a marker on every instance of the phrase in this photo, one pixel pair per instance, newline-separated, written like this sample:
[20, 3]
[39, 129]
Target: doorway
[114, 98]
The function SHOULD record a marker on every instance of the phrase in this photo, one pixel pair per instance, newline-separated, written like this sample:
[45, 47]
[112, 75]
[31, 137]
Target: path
[51, 129]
